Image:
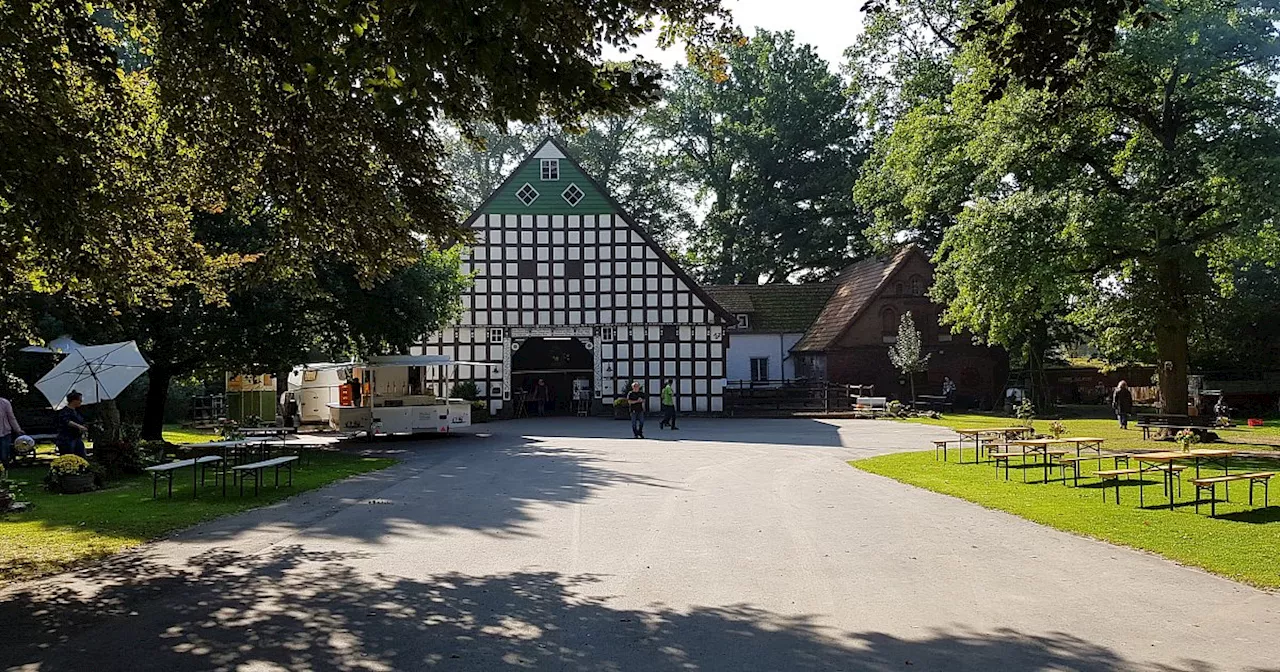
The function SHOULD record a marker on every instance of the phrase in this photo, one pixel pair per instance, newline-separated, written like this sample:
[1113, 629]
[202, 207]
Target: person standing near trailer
[668, 406]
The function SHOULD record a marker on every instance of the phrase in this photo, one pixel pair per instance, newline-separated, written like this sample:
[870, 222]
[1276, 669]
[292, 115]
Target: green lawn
[1240, 544]
[1107, 428]
[65, 531]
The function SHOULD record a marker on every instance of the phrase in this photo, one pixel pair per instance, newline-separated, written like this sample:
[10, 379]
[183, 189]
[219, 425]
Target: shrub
[122, 458]
[465, 390]
[1026, 412]
[620, 402]
[68, 465]
[894, 408]
[8, 489]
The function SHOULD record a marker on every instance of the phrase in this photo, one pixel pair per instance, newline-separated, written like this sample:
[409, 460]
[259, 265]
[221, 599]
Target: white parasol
[96, 371]
[58, 346]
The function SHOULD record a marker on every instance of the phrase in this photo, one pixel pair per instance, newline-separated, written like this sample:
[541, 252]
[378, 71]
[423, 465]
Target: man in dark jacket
[1122, 402]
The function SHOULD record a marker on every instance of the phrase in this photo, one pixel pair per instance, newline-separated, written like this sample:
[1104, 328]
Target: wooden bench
[1173, 470]
[1114, 475]
[1004, 457]
[1211, 484]
[198, 464]
[942, 446]
[1073, 462]
[243, 471]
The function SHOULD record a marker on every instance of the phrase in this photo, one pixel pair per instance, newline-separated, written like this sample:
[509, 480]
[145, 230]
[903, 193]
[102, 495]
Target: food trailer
[391, 395]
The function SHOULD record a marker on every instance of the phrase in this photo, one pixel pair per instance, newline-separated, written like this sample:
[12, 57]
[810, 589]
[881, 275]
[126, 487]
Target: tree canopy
[1118, 202]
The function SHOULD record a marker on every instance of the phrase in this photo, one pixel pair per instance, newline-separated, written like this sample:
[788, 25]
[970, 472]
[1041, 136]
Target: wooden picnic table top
[224, 444]
[1170, 456]
[985, 430]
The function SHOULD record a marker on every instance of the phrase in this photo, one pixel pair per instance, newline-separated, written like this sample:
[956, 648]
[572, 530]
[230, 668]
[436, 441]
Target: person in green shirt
[668, 406]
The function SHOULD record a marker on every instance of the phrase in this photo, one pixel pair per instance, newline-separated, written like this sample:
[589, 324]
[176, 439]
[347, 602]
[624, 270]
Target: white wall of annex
[777, 347]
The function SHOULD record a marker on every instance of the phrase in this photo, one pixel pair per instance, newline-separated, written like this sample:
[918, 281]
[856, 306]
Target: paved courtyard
[560, 545]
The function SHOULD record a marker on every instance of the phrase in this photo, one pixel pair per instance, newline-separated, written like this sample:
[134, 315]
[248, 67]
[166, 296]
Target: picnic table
[1043, 447]
[976, 433]
[1167, 458]
[197, 470]
[268, 431]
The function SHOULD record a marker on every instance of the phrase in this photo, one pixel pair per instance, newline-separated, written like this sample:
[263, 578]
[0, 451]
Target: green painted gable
[504, 201]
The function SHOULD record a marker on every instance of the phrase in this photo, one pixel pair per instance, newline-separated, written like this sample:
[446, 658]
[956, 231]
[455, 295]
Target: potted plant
[479, 411]
[620, 411]
[894, 408]
[71, 474]
[1057, 429]
[1187, 438]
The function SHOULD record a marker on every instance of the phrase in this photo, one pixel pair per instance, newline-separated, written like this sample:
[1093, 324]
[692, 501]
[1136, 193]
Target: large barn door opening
[557, 362]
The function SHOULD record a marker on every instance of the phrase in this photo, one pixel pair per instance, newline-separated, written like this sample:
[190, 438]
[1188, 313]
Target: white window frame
[531, 201]
[495, 335]
[755, 377]
[550, 170]
[565, 195]
[744, 320]
[608, 333]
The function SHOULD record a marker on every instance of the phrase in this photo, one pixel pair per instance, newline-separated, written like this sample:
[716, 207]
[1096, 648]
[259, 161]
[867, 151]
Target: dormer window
[527, 194]
[550, 169]
[744, 320]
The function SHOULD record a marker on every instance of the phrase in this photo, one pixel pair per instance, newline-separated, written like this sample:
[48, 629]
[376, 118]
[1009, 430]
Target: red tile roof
[856, 287]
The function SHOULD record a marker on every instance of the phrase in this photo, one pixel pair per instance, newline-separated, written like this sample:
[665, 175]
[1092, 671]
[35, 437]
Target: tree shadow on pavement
[296, 610]
[491, 487]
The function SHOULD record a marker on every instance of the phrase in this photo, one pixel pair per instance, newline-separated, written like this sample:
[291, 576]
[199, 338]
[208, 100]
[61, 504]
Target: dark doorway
[555, 361]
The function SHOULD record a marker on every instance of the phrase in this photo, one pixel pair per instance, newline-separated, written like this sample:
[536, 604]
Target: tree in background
[907, 352]
[276, 313]
[123, 123]
[771, 147]
[1154, 170]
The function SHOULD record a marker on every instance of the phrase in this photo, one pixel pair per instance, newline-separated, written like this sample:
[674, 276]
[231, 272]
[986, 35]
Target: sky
[828, 25]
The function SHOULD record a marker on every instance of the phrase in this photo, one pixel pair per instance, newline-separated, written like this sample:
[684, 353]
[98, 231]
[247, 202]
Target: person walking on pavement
[72, 427]
[668, 406]
[9, 430]
[1122, 402]
[635, 401]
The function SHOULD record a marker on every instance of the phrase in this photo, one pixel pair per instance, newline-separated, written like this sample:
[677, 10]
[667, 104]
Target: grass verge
[1120, 440]
[1240, 544]
[64, 531]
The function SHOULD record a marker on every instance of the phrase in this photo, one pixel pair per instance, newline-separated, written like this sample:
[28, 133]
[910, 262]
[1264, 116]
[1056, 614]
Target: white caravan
[384, 395]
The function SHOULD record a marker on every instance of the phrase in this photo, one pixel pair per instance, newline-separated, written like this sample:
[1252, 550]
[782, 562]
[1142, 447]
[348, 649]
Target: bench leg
[1213, 500]
[1251, 493]
[240, 479]
[170, 475]
[1142, 489]
[290, 475]
[154, 477]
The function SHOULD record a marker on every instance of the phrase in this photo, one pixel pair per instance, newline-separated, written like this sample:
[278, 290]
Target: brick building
[849, 342]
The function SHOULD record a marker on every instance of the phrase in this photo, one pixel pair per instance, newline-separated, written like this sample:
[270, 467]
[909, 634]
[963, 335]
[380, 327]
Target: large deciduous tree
[1126, 193]
[771, 147]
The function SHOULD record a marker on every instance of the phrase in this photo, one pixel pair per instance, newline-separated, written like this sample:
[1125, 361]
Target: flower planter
[620, 413]
[72, 484]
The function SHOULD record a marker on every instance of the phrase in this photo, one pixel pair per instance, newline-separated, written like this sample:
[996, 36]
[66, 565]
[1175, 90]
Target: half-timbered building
[569, 289]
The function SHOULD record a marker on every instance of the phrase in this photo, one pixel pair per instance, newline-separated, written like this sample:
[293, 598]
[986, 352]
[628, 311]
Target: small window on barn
[528, 269]
[759, 369]
[669, 333]
[527, 194]
[744, 320]
[917, 285]
[550, 169]
[572, 194]
[495, 335]
[608, 333]
[573, 269]
[889, 325]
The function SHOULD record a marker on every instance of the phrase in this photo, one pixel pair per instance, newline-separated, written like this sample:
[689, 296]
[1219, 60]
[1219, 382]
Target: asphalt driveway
[561, 545]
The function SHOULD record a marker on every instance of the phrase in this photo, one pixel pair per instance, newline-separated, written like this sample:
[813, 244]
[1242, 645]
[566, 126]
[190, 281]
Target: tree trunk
[1171, 346]
[912, 377]
[158, 379]
[1173, 334]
